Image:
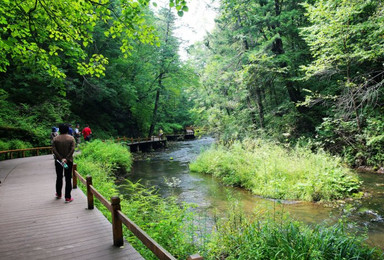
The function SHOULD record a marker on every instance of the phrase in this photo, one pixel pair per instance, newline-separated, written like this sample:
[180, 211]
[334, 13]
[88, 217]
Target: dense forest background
[299, 72]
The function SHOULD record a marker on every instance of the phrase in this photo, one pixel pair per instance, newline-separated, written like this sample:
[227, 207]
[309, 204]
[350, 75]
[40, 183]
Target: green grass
[273, 171]
[263, 237]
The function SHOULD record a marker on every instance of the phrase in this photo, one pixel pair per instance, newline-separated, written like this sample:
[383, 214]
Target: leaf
[180, 13]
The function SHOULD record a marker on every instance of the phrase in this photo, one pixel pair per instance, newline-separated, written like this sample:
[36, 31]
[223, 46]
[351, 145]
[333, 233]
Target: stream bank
[167, 170]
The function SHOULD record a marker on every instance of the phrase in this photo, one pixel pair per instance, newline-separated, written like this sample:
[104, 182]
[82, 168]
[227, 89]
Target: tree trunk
[260, 106]
[155, 109]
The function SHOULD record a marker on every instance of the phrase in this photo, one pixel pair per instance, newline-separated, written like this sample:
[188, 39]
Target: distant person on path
[54, 133]
[87, 133]
[63, 147]
[70, 130]
[77, 134]
[161, 133]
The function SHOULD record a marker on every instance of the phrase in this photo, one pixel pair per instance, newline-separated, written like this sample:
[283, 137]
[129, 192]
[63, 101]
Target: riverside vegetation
[270, 170]
[235, 236]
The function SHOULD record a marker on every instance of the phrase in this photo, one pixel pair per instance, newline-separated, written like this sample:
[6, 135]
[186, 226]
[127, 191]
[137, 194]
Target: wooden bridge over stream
[36, 225]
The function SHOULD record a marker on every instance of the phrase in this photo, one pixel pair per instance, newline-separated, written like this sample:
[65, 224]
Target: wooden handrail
[37, 149]
[118, 218]
[132, 140]
[158, 250]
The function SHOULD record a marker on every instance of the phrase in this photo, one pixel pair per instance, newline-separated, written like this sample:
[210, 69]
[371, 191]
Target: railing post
[89, 193]
[117, 226]
[74, 176]
[195, 257]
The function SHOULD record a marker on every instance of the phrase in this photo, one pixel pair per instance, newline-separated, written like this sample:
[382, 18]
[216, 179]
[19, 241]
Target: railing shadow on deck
[118, 218]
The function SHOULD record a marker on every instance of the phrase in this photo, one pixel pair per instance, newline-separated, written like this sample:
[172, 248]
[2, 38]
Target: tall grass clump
[270, 170]
[116, 155]
[241, 237]
[163, 219]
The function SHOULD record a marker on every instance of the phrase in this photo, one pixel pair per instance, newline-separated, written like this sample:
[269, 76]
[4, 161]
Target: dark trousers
[59, 179]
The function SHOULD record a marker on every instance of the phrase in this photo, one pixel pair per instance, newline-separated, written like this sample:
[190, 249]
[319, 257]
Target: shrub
[108, 153]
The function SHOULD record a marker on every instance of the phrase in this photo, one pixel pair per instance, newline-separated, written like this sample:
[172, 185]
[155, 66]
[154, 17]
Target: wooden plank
[35, 225]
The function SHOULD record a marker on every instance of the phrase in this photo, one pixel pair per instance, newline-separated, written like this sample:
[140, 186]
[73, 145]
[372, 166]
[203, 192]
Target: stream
[167, 170]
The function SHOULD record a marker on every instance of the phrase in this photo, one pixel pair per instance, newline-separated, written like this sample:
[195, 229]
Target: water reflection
[167, 171]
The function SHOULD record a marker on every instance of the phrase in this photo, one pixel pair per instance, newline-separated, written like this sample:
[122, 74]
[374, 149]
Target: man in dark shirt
[63, 147]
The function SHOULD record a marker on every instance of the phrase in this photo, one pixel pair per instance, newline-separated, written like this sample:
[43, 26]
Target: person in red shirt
[87, 133]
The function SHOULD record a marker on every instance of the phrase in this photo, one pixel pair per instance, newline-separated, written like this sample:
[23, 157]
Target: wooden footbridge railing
[138, 140]
[9, 154]
[118, 218]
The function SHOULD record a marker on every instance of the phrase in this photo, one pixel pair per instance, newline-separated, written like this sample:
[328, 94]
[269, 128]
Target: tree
[253, 66]
[46, 33]
[344, 38]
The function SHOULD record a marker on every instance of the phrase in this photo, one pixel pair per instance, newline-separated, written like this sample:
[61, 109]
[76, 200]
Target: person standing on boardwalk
[87, 133]
[77, 134]
[63, 147]
[53, 134]
[70, 130]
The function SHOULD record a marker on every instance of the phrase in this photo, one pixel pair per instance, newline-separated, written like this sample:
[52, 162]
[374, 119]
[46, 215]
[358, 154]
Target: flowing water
[168, 171]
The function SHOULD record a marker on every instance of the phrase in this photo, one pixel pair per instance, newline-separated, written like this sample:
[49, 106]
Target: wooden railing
[21, 152]
[118, 218]
[137, 140]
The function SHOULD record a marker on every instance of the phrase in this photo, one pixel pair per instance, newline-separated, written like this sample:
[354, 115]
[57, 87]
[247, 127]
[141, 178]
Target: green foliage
[46, 34]
[341, 137]
[29, 124]
[242, 237]
[112, 154]
[13, 144]
[269, 170]
[343, 33]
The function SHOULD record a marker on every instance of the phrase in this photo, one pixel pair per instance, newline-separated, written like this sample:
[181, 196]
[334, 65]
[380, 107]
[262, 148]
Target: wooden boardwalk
[36, 225]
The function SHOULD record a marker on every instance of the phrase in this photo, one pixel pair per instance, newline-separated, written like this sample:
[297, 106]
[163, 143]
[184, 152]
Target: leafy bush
[13, 144]
[113, 154]
[342, 137]
[272, 171]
